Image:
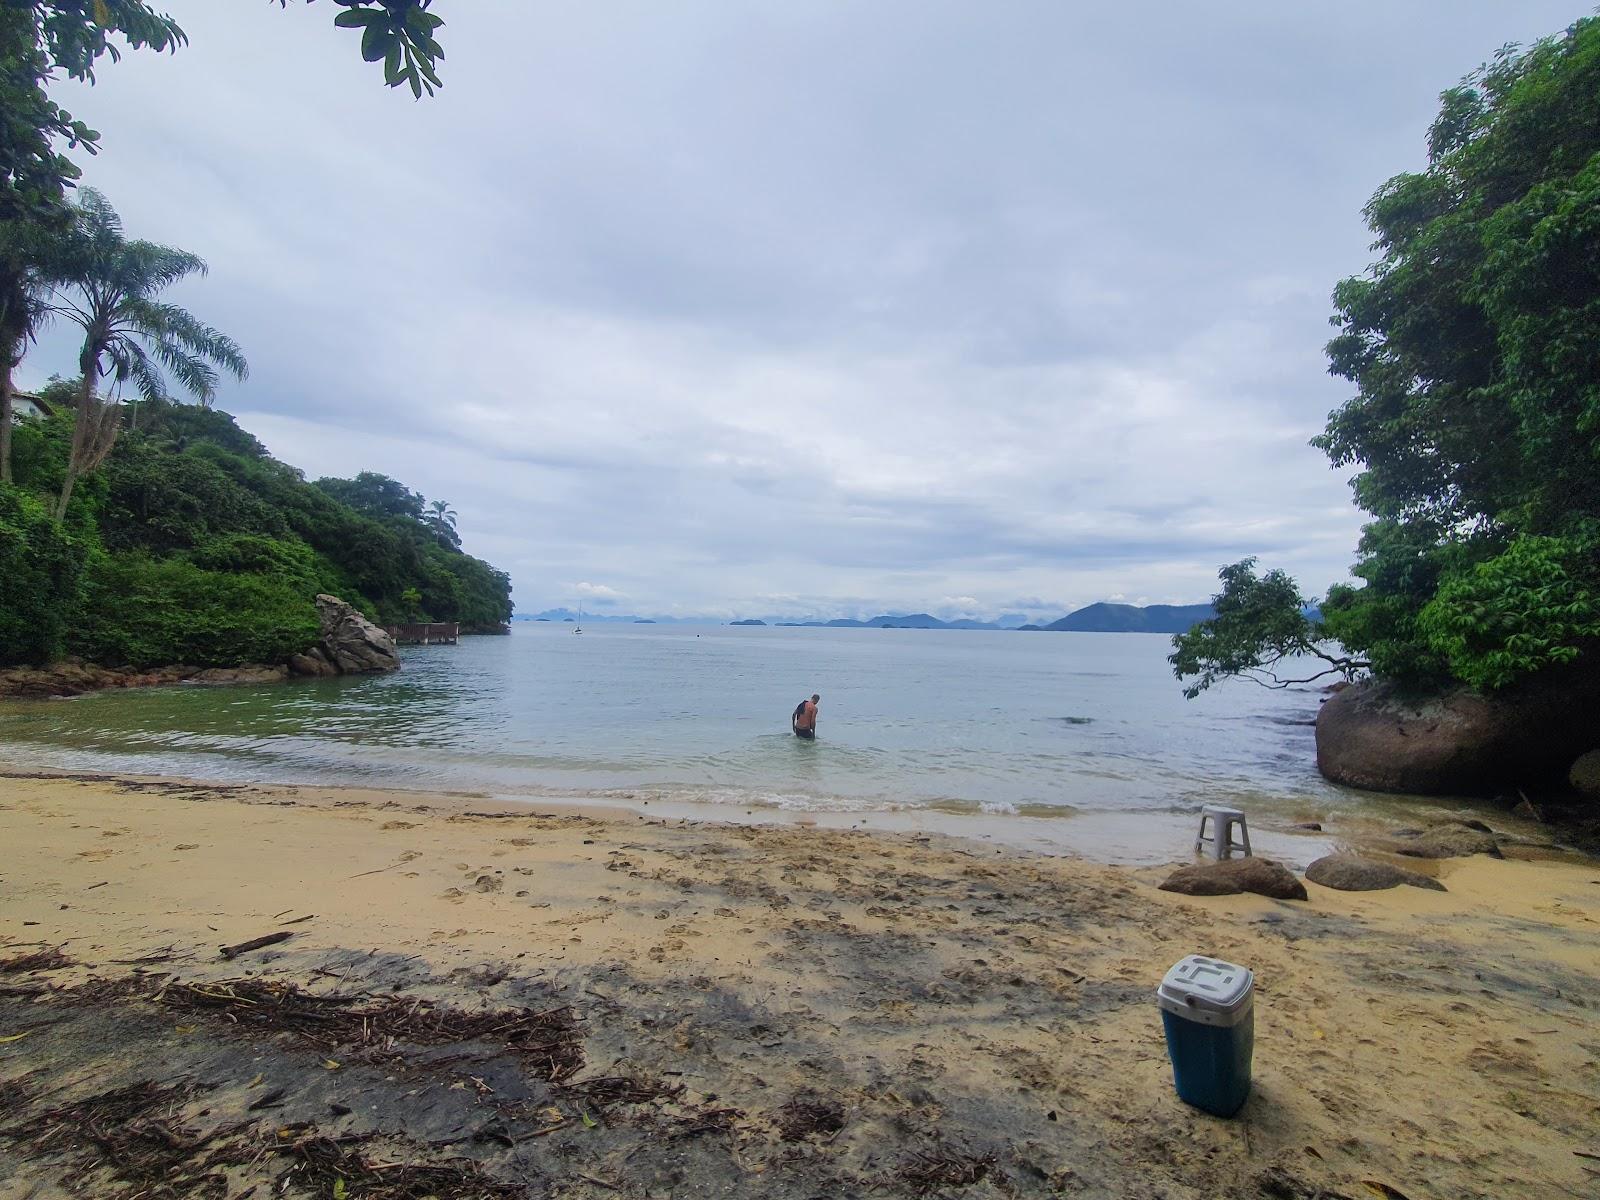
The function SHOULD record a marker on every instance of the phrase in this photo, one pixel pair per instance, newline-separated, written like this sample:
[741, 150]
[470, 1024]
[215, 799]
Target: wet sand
[790, 1011]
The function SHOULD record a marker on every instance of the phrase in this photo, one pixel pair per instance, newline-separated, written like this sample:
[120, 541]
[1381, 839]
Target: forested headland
[192, 544]
[137, 531]
[1473, 345]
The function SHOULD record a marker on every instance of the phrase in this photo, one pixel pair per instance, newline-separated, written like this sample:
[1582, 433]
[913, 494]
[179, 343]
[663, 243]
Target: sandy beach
[486, 999]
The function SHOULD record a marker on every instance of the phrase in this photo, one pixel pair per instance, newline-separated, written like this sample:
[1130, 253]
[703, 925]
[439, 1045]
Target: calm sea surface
[1072, 740]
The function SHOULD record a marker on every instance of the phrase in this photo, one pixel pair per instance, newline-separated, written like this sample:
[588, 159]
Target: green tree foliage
[39, 566]
[399, 34]
[160, 501]
[42, 40]
[376, 496]
[202, 548]
[1262, 626]
[144, 612]
[1512, 615]
[39, 41]
[24, 307]
[1474, 347]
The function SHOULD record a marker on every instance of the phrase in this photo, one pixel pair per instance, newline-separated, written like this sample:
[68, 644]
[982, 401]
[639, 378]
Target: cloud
[598, 594]
[805, 311]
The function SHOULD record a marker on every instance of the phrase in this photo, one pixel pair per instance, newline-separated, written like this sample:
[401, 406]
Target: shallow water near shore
[1061, 741]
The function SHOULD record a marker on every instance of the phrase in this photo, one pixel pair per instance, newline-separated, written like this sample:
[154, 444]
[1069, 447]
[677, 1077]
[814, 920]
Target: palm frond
[96, 216]
[141, 370]
[181, 327]
[191, 371]
[146, 268]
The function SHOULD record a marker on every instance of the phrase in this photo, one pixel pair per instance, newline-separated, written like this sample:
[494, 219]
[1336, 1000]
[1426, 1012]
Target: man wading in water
[804, 720]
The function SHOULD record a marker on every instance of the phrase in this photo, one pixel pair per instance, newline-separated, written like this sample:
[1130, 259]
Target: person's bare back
[805, 718]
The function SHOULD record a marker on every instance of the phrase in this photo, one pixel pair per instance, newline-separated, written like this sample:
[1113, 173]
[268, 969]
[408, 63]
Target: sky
[806, 310]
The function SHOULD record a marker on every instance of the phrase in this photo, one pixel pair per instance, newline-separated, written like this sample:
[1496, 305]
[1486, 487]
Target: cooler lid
[1208, 985]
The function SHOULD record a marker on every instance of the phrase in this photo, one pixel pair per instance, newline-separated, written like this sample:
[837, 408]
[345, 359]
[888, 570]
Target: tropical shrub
[1526, 609]
[39, 568]
[140, 611]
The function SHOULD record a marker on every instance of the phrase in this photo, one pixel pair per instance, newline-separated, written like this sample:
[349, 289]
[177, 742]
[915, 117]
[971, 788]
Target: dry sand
[846, 1013]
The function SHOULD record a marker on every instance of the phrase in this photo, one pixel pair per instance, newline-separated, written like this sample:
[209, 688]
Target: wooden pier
[436, 633]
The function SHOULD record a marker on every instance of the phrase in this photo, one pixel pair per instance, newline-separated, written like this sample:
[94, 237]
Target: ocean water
[1068, 740]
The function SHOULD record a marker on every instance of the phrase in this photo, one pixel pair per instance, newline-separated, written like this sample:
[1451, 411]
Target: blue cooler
[1208, 1009]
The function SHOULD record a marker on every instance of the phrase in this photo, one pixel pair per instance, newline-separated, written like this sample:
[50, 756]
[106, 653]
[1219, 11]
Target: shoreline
[1130, 838]
[940, 996]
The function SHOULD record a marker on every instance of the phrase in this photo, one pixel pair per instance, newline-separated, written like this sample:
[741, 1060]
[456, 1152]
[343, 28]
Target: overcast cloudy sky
[822, 308]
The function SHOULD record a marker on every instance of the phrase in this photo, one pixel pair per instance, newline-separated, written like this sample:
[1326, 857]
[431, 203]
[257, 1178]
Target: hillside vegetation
[192, 544]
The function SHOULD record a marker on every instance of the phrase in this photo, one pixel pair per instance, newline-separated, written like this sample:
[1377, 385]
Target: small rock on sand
[1352, 873]
[488, 883]
[1234, 875]
[1456, 839]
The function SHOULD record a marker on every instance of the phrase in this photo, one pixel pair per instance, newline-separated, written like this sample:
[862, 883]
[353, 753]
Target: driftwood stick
[270, 939]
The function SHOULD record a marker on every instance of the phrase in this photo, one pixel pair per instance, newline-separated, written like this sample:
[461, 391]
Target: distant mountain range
[1096, 618]
[1130, 618]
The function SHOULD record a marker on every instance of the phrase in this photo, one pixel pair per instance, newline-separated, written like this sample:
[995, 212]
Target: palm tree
[443, 514]
[442, 520]
[108, 286]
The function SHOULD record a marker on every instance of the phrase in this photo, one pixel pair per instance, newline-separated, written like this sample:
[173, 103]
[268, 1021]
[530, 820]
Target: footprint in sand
[659, 953]
[399, 825]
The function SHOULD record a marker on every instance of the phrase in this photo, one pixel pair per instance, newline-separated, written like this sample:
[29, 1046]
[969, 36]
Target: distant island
[1096, 618]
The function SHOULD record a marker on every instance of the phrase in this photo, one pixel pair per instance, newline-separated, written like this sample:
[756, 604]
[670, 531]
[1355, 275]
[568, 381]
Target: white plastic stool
[1222, 822]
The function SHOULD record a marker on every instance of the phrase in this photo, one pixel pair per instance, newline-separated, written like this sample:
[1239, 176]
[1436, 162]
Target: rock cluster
[1352, 873]
[350, 645]
[250, 673]
[73, 677]
[1234, 875]
[1453, 839]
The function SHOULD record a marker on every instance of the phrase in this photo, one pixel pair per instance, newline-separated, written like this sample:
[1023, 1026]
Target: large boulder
[351, 642]
[1234, 875]
[1352, 873]
[314, 662]
[1585, 775]
[1462, 743]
